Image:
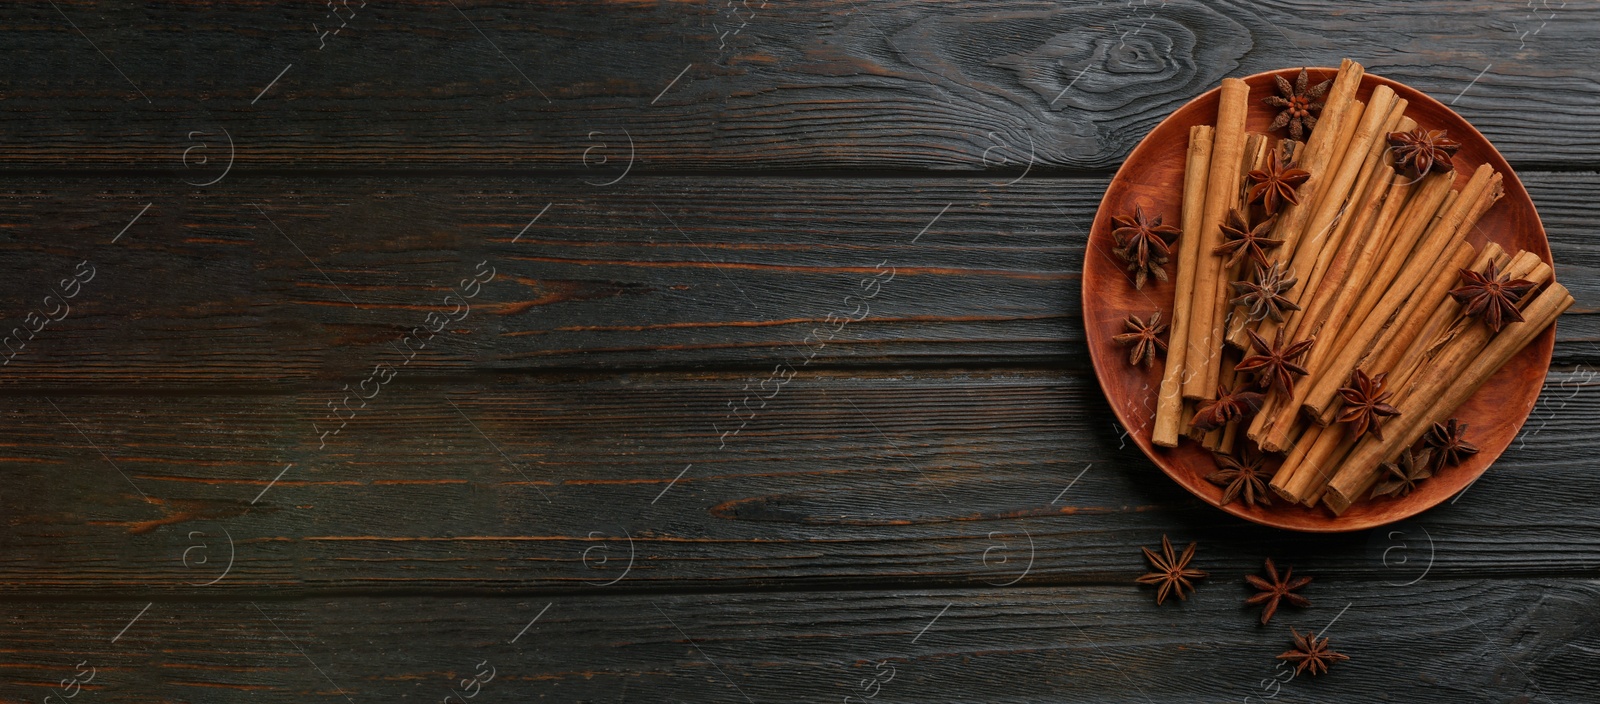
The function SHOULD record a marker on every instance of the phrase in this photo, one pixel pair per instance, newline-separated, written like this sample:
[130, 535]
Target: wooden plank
[1435, 640]
[301, 280]
[820, 84]
[548, 485]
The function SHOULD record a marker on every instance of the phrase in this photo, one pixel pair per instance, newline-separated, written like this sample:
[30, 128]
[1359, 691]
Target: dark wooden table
[713, 352]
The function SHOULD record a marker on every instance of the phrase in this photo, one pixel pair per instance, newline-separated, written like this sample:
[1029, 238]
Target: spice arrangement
[1172, 575]
[1329, 313]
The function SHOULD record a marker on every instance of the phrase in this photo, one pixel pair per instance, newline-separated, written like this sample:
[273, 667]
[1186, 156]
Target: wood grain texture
[550, 485]
[822, 84]
[1436, 640]
[712, 200]
[325, 280]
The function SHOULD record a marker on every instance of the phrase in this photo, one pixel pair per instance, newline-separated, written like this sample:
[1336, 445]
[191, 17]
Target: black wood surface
[597, 482]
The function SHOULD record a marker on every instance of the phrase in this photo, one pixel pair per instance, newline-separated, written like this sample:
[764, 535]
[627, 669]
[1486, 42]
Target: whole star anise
[1276, 183]
[1491, 296]
[1310, 653]
[1274, 589]
[1241, 475]
[1401, 477]
[1449, 445]
[1172, 572]
[1364, 404]
[1423, 150]
[1229, 406]
[1263, 297]
[1300, 105]
[1144, 338]
[1143, 242]
[1276, 363]
[1243, 240]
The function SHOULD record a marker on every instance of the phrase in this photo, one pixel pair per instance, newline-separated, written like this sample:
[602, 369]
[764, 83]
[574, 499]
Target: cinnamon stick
[1169, 403]
[1257, 150]
[1222, 189]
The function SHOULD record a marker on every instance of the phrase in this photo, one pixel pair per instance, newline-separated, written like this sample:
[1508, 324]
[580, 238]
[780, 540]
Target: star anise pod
[1229, 406]
[1241, 476]
[1172, 572]
[1143, 243]
[1275, 364]
[1423, 150]
[1243, 240]
[1263, 297]
[1300, 104]
[1274, 589]
[1276, 183]
[1364, 404]
[1311, 654]
[1414, 466]
[1491, 296]
[1144, 338]
[1450, 448]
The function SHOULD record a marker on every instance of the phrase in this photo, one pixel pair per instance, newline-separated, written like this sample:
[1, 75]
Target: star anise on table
[1300, 104]
[1172, 572]
[1228, 406]
[1449, 446]
[1242, 240]
[1276, 184]
[1144, 338]
[1364, 404]
[1491, 296]
[1275, 589]
[1142, 242]
[1275, 364]
[1263, 296]
[1401, 477]
[1311, 654]
[1241, 476]
[1423, 150]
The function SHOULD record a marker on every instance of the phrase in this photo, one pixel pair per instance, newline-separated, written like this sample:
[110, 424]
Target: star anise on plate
[1423, 150]
[1364, 404]
[1241, 476]
[1242, 240]
[1401, 477]
[1449, 446]
[1300, 104]
[1229, 406]
[1276, 183]
[1275, 589]
[1310, 653]
[1172, 572]
[1142, 242]
[1491, 296]
[1275, 364]
[1263, 296]
[1144, 338]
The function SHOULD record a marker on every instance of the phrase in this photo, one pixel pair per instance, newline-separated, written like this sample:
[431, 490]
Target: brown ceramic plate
[1153, 177]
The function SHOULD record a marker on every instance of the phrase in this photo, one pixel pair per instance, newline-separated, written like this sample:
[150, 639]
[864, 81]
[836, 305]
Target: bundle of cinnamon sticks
[1353, 242]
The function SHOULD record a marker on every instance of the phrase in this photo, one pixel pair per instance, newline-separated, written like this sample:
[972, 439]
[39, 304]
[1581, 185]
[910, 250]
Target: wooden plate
[1152, 176]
